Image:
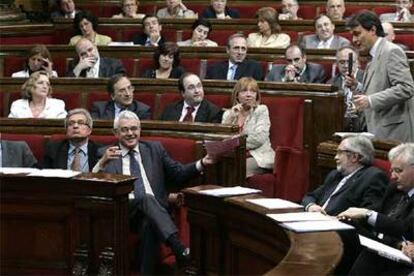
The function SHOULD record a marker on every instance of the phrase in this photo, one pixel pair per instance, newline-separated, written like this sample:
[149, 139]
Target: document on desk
[16, 170]
[218, 148]
[230, 191]
[301, 216]
[55, 173]
[316, 226]
[384, 250]
[344, 135]
[274, 203]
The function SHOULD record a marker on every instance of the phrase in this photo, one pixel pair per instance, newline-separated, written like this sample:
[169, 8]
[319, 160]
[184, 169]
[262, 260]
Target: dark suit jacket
[209, 12]
[107, 68]
[56, 155]
[248, 68]
[207, 113]
[337, 80]
[141, 38]
[402, 224]
[364, 189]
[16, 154]
[314, 73]
[106, 110]
[176, 73]
[159, 168]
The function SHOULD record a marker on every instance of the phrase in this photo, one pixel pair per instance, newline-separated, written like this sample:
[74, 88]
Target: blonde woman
[269, 34]
[253, 121]
[129, 10]
[36, 101]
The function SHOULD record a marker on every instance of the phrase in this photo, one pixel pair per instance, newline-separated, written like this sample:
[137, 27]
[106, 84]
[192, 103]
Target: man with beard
[193, 107]
[388, 87]
[76, 152]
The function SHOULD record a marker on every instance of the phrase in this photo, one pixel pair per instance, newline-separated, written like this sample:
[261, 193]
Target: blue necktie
[139, 189]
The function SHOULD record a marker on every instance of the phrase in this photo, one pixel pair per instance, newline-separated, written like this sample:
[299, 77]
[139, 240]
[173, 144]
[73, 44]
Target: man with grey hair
[355, 182]
[76, 152]
[238, 65]
[391, 220]
[151, 164]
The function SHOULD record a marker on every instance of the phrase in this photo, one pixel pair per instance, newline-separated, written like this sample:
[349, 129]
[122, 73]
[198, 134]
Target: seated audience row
[218, 9]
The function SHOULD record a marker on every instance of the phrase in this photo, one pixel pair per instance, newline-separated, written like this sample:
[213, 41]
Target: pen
[404, 240]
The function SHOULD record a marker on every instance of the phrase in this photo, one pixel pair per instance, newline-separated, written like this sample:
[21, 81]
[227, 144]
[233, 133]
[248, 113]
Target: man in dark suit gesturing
[354, 183]
[193, 107]
[152, 166]
[121, 92]
[76, 152]
[90, 65]
[392, 219]
[237, 66]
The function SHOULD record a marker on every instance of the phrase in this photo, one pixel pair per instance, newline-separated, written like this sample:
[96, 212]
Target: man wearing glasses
[76, 152]
[391, 220]
[148, 205]
[121, 92]
[355, 182]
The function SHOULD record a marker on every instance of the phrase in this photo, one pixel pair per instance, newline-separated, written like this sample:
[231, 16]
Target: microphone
[350, 63]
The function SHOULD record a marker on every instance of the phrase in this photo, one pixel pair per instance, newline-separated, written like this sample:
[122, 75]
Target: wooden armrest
[176, 200]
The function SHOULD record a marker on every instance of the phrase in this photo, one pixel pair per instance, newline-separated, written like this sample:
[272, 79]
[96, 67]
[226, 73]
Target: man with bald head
[289, 10]
[335, 9]
[89, 64]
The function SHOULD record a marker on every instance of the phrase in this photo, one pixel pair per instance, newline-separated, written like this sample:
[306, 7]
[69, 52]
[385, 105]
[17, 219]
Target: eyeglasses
[125, 130]
[79, 123]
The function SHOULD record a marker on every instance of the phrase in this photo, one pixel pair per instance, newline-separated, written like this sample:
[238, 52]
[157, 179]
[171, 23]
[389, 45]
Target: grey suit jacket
[16, 154]
[159, 168]
[312, 41]
[337, 81]
[390, 17]
[106, 110]
[314, 73]
[389, 84]
[107, 68]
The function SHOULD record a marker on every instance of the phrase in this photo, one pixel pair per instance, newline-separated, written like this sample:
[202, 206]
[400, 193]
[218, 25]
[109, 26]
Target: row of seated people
[288, 9]
[191, 105]
[269, 33]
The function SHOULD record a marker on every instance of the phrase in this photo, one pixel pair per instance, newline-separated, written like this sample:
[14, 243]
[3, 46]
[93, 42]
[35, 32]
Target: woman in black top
[167, 61]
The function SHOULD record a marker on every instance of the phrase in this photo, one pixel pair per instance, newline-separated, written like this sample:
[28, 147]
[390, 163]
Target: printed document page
[274, 203]
[230, 191]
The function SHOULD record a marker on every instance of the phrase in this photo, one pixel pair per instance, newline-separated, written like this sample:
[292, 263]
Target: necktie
[399, 207]
[76, 160]
[189, 115]
[134, 169]
[338, 187]
[232, 72]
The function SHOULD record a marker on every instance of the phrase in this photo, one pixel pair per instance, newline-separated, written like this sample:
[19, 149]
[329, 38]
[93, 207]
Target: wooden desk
[230, 236]
[52, 225]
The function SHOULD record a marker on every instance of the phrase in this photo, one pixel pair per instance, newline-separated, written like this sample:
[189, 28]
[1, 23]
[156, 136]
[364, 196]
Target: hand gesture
[290, 73]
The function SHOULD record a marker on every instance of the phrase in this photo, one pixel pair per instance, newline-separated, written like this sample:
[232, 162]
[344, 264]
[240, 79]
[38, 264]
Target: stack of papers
[384, 250]
[344, 135]
[302, 222]
[230, 191]
[274, 203]
[44, 173]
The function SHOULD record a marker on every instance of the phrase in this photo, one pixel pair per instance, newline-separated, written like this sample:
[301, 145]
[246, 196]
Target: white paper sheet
[316, 226]
[300, 216]
[55, 173]
[9, 170]
[343, 135]
[384, 250]
[120, 43]
[229, 191]
[274, 203]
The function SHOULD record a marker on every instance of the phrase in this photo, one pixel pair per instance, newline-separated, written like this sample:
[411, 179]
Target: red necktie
[189, 116]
